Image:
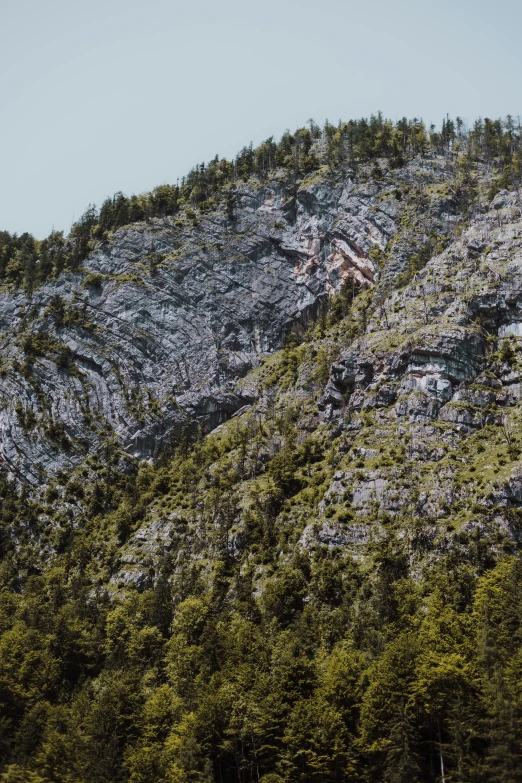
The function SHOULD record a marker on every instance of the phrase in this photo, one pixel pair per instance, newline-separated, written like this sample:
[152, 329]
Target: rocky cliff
[166, 315]
[174, 320]
[419, 399]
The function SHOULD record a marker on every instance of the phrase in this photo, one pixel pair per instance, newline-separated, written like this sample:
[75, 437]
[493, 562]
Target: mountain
[261, 482]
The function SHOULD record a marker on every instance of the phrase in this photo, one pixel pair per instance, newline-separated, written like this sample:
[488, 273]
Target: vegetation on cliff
[327, 586]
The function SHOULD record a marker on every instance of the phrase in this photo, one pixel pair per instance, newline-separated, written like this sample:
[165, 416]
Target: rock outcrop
[165, 317]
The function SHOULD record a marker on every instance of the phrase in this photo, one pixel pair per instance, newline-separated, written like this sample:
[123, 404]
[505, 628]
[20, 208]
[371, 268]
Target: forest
[339, 670]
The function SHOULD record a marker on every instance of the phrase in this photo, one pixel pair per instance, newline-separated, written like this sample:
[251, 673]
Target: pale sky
[97, 97]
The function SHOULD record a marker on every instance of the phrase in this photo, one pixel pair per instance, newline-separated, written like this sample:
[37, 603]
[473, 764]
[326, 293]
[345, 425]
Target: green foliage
[305, 667]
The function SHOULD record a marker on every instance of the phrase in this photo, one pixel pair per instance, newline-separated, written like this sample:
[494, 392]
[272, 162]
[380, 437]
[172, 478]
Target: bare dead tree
[423, 294]
[507, 429]
[384, 316]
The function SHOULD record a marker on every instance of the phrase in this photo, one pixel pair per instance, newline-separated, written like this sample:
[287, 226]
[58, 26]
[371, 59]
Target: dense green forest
[27, 262]
[339, 670]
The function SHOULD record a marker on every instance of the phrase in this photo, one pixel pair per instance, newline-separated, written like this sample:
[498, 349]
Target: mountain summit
[261, 469]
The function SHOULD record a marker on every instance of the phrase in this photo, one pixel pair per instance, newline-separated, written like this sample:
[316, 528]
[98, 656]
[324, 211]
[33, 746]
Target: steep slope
[327, 585]
[166, 316]
[421, 411]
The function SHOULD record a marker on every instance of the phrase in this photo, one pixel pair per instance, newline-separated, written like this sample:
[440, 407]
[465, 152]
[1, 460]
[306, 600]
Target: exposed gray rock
[168, 316]
[332, 533]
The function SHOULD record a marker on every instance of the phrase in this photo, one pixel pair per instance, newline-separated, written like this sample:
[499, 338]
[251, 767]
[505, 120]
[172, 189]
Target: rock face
[419, 411]
[166, 317]
[430, 370]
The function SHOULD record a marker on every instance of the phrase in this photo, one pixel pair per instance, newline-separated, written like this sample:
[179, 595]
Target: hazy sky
[98, 96]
